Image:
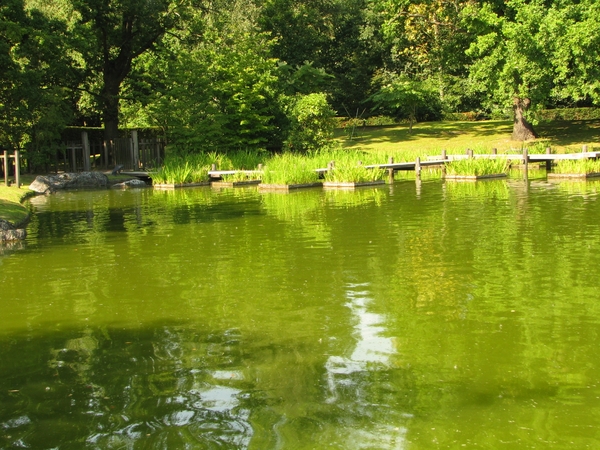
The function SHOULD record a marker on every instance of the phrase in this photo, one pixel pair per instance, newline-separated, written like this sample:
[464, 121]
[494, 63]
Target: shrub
[312, 123]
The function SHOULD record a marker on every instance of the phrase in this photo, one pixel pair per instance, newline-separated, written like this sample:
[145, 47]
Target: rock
[47, 184]
[135, 183]
[9, 233]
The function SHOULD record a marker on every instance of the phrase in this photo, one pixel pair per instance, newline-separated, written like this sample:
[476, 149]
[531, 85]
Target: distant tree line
[270, 74]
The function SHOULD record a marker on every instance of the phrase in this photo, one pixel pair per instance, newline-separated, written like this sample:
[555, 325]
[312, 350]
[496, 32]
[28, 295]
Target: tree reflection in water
[109, 388]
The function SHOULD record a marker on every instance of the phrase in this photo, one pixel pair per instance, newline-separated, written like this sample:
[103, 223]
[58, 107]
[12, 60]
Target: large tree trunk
[522, 129]
[110, 105]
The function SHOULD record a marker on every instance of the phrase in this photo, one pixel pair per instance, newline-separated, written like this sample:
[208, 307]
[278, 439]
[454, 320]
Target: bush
[570, 114]
[312, 123]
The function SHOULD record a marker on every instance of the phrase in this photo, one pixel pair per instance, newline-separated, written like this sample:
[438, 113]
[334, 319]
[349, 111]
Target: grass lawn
[11, 208]
[430, 138]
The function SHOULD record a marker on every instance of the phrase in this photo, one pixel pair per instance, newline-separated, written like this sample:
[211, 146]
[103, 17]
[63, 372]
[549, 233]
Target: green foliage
[312, 123]
[223, 94]
[574, 31]
[303, 79]
[346, 173]
[34, 98]
[534, 50]
[335, 45]
[289, 168]
[239, 160]
[579, 166]
[569, 114]
[477, 166]
[403, 97]
[189, 169]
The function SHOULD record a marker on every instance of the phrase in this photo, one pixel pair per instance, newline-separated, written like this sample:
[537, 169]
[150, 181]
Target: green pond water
[412, 316]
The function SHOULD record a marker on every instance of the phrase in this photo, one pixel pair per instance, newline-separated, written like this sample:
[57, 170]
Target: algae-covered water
[412, 316]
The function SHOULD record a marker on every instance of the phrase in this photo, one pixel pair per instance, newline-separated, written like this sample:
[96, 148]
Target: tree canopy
[230, 73]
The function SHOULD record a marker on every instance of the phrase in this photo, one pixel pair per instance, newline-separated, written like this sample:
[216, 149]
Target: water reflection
[123, 389]
[350, 378]
[211, 319]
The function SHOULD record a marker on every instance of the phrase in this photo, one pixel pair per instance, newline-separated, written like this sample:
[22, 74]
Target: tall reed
[289, 168]
[477, 166]
[580, 166]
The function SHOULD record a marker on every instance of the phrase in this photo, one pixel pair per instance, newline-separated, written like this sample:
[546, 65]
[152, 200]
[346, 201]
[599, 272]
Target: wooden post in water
[260, 167]
[525, 159]
[418, 168]
[391, 170]
[549, 161]
[494, 151]
[213, 167]
[469, 153]
[5, 167]
[584, 149]
[444, 158]
[18, 168]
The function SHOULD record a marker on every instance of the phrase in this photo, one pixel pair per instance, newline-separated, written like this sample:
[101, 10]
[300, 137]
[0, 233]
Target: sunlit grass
[11, 197]
[579, 166]
[430, 138]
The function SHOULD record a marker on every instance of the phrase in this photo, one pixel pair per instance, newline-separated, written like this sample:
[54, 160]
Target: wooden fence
[130, 152]
[16, 156]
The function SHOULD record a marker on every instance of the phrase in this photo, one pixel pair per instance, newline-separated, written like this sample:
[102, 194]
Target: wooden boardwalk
[524, 159]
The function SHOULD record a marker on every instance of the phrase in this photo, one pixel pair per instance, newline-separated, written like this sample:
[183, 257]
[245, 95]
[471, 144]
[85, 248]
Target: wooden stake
[5, 167]
[18, 168]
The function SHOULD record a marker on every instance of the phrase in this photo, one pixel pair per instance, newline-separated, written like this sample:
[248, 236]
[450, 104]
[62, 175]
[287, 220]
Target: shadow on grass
[428, 130]
[558, 134]
[15, 213]
[570, 133]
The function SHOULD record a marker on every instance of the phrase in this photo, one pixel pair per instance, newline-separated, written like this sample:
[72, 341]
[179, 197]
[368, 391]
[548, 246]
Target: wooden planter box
[474, 177]
[351, 184]
[180, 185]
[235, 183]
[573, 176]
[287, 187]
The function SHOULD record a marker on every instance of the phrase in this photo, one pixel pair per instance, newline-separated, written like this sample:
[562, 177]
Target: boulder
[9, 233]
[47, 184]
[135, 183]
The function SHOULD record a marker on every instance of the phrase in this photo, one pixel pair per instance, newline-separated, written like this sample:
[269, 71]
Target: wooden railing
[17, 164]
